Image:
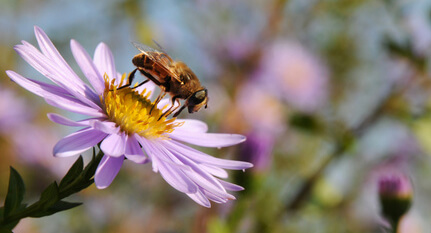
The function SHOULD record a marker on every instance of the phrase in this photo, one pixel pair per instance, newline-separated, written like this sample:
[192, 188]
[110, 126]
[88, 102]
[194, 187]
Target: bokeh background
[331, 94]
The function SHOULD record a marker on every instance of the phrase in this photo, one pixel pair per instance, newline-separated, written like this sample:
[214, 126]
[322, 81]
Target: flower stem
[395, 227]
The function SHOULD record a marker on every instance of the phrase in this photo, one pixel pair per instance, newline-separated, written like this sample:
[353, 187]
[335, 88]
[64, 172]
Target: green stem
[395, 227]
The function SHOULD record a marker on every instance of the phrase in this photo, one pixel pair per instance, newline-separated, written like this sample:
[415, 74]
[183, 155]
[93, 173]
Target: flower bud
[395, 192]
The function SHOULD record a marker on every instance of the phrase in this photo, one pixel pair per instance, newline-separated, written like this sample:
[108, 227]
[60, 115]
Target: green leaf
[64, 205]
[73, 173]
[6, 227]
[55, 208]
[9, 226]
[50, 195]
[15, 193]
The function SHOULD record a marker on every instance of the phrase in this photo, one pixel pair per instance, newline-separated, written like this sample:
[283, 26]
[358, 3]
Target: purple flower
[295, 74]
[126, 123]
[13, 110]
[395, 192]
[395, 185]
[418, 25]
[265, 114]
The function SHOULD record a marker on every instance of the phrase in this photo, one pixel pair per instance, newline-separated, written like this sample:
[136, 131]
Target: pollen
[134, 112]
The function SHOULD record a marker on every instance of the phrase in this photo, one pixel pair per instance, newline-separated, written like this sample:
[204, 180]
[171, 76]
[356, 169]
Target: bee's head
[197, 100]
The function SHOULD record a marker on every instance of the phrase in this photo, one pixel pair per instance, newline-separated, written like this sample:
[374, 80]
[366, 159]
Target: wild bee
[173, 77]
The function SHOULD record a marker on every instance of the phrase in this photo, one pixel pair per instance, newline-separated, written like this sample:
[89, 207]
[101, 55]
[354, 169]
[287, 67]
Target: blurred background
[331, 95]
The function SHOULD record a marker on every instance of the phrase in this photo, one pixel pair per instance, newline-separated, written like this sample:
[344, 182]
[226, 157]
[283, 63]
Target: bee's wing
[143, 48]
[164, 60]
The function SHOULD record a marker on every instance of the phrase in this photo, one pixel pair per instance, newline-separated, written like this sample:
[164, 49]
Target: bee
[173, 77]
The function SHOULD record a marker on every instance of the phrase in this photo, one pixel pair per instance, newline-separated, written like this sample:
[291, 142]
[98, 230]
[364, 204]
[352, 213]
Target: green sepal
[15, 193]
[393, 207]
[72, 174]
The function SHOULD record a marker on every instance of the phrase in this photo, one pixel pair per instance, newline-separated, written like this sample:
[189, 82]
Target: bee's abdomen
[142, 61]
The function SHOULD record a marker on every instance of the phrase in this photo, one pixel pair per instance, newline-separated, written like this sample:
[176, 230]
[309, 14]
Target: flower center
[134, 112]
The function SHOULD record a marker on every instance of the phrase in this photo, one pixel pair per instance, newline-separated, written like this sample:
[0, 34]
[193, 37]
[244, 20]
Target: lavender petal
[171, 174]
[200, 157]
[39, 88]
[215, 171]
[134, 151]
[104, 61]
[52, 71]
[87, 66]
[149, 151]
[49, 50]
[65, 121]
[200, 199]
[55, 96]
[114, 145]
[207, 139]
[191, 125]
[107, 127]
[202, 177]
[78, 142]
[74, 106]
[107, 170]
[230, 186]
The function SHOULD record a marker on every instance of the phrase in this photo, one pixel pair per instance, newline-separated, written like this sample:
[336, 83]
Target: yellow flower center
[134, 112]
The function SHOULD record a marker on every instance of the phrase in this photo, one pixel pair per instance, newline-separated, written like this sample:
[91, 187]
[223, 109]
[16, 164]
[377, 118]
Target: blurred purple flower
[13, 110]
[238, 45]
[28, 141]
[33, 142]
[123, 122]
[294, 74]
[258, 150]
[260, 109]
[418, 24]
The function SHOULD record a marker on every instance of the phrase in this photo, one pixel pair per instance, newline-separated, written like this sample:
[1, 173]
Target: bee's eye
[200, 95]
[197, 100]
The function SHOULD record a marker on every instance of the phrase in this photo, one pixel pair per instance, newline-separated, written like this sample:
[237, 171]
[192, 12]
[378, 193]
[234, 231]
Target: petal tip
[101, 186]
[102, 45]
[38, 30]
[9, 73]
[74, 43]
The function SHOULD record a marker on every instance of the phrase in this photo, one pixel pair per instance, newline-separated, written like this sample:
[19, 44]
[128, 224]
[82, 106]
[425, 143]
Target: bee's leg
[129, 79]
[140, 84]
[179, 111]
[170, 110]
[150, 77]
[160, 97]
